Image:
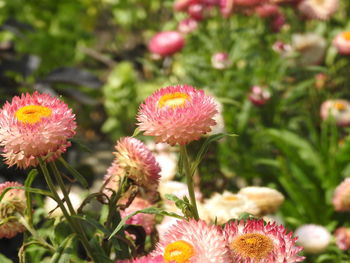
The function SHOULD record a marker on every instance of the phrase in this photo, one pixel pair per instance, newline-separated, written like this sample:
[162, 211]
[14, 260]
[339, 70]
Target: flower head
[187, 25]
[33, 126]
[166, 43]
[145, 259]
[259, 96]
[318, 9]
[137, 162]
[13, 203]
[147, 221]
[220, 60]
[268, 200]
[341, 198]
[313, 238]
[193, 241]
[342, 43]
[338, 109]
[177, 114]
[226, 206]
[342, 238]
[254, 241]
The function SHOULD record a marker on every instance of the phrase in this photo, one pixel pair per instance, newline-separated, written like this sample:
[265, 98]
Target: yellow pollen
[178, 251]
[253, 246]
[231, 198]
[32, 113]
[346, 35]
[339, 106]
[174, 100]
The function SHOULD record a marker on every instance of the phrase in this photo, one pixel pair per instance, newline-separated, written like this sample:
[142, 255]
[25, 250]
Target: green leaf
[74, 173]
[150, 210]
[4, 259]
[64, 251]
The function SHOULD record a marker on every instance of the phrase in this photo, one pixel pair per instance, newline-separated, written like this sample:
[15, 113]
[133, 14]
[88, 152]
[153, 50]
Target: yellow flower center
[346, 35]
[174, 100]
[32, 113]
[231, 198]
[178, 251]
[253, 246]
[339, 106]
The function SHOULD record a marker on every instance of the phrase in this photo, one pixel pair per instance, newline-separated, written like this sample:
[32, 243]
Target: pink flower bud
[166, 43]
[342, 238]
[278, 22]
[259, 96]
[196, 11]
[187, 25]
[220, 60]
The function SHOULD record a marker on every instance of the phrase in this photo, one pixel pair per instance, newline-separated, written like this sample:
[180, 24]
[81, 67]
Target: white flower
[314, 238]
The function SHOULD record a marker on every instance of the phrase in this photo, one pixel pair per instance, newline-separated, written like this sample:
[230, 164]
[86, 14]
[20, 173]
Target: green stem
[189, 179]
[73, 224]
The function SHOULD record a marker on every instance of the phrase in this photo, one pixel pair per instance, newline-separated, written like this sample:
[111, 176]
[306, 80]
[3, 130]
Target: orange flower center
[253, 246]
[346, 35]
[32, 113]
[174, 100]
[339, 106]
[231, 198]
[178, 251]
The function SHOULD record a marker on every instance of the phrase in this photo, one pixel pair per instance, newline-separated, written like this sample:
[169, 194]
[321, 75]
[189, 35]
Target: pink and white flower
[193, 242]
[342, 43]
[254, 241]
[33, 126]
[318, 9]
[166, 43]
[177, 114]
[342, 238]
[338, 109]
[221, 60]
[341, 200]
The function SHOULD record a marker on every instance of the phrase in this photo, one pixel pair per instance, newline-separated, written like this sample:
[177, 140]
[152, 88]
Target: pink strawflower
[166, 43]
[254, 241]
[147, 221]
[318, 9]
[226, 7]
[193, 242]
[187, 25]
[177, 114]
[145, 259]
[267, 10]
[338, 109]
[249, 2]
[182, 5]
[341, 200]
[196, 11]
[34, 126]
[259, 96]
[12, 204]
[342, 238]
[342, 43]
[221, 60]
[137, 162]
[278, 22]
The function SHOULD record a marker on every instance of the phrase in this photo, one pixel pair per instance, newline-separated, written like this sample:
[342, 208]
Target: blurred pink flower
[193, 241]
[249, 2]
[187, 25]
[342, 238]
[341, 200]
[226, 7]
[267, 10]
[318, 9]
[338, 109]
[254, 241]
[34, 126]
[182, 5]
[221, 60]
[147, 221]
[166, 43]
[177, 114]
[137, 162]
[13, 203]
[278, 22]
[196, 11]
[145, 259]
[342, 43]
[259, 95]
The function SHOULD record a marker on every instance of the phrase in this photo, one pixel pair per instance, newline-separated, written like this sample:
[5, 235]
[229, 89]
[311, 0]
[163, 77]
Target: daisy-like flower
[33, 126]
[341, 200]
[342, 238]
[313, 238]
[311, 48]
[193, 242]
[338, 109]
[177, 114]
[12, 204]
[147, 221]
[254, 241]
[166, 43]
[226, 206]
[318, 9]
[137, 162]
[268, 200]
[342, 43]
